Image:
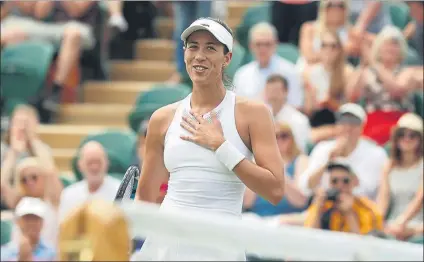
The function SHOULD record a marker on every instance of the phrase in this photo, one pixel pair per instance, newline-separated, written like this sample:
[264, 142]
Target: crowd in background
[349, 124]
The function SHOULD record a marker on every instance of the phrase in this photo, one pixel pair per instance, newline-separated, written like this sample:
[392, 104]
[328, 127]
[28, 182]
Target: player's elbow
[276, 195]
[277, 191]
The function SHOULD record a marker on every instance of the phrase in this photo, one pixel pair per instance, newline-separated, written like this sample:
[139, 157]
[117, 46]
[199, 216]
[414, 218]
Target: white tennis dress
[199, 182]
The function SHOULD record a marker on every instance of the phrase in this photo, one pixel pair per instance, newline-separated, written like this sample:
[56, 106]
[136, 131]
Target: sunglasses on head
[26, 179]
[282, 135]
[403, 133]
[344, 180]
[329, 45]
[340, 5]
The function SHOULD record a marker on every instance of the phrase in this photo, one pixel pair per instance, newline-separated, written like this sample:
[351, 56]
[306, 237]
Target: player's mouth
[199, 68]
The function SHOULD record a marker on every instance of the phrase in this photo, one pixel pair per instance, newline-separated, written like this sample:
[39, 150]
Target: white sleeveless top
[198, 180]
[404, 183]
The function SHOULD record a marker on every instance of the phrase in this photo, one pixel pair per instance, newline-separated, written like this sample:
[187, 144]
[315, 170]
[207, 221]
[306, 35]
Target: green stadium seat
[119, 148]
[399, 13]
[236, 61]
[284, 50]
[149, 101]
[289, 52]
[24, 69]
[6, 231]
[412, 57]
[253, 15]
[66, 180]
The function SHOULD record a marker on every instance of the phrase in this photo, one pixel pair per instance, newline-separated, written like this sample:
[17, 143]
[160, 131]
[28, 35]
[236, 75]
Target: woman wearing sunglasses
[401, 190]
[295, 162]
[333, 15]
[325, 82]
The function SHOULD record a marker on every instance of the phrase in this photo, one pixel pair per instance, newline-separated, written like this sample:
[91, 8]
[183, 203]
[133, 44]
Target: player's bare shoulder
[252, 110]
[162, 118]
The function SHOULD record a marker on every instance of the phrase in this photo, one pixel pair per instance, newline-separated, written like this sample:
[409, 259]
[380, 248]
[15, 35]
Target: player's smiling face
[204, 57]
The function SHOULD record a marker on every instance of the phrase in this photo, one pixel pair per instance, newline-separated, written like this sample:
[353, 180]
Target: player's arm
[266, 176]
[153, 172]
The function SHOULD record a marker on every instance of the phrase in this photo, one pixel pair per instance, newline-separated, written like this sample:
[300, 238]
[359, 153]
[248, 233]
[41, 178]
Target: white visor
[217, 30]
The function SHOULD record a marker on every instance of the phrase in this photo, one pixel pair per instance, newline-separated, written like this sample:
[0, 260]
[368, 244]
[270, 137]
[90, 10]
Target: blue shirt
[263, 208]
[43, 252]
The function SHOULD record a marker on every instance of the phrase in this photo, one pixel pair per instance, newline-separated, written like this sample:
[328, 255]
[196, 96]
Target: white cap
[31, 206]
[411, 121]
[353, 109]
[216, 29]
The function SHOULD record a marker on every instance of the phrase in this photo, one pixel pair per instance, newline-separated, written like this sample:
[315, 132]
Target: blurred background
[80, 79]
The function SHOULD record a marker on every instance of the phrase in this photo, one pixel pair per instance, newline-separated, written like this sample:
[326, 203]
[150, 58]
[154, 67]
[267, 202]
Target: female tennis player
[204, 144]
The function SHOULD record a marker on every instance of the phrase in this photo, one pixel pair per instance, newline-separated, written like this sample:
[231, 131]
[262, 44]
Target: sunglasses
[329, 45]
[402, 133]
[26, 179]
[345, 180]
[282, 135]
[336, 5]
[264, 44]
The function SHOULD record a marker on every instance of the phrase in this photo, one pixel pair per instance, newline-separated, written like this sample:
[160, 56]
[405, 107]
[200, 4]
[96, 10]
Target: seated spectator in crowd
[20, 141]
[37, 179]
[275, 95]
[325, 87]
[416, 10]
[364, 157]
[93, 164]
[250, 79]
[30, 214]
[402, 178]
[383, 83]
[294, 164]
[338, 209]
[333, 16]
[23, 125]
[66, 24]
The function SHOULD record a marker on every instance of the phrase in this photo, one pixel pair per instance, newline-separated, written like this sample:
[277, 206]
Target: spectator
[37, 179]
[288, 16]
[325, 84]
[333, 16]
[275, 94]
[364, 157]
[250, 79]
[93, 163]
[338, 209]
[384, 84]
[403, 176]
[71, 28]
[22, 132]
[294, 164]
[30, 214]
[185, 13]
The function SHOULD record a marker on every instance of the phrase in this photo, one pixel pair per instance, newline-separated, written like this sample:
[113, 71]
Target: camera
[333, 194]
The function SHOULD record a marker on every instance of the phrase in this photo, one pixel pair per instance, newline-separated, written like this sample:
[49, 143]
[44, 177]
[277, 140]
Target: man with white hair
[250, 79]
[93, 163]
[30, 214]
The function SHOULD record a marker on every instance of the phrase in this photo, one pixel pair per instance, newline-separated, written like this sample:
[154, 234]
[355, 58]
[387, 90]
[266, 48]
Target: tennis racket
[128, 187]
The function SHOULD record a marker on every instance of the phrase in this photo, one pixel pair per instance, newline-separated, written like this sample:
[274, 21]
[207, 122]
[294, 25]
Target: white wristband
[229, 155]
